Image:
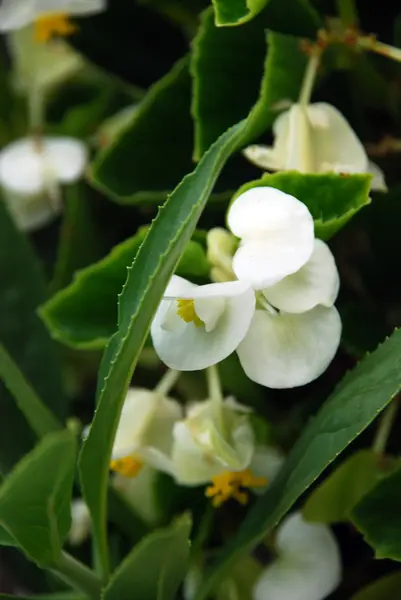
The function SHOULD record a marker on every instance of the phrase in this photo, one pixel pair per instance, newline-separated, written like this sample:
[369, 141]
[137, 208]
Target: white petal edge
[15, 14]
[261, 156]
[290, 350]
[189, 348]
[378, 183]
[317, 282]
[308, 567]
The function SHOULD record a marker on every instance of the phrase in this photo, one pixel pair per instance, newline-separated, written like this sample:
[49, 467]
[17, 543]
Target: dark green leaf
[152, 268]
[386, 588]
[333, 499]
[39, 417]
[155, 151]
[55, 596]
[155, 567]
[84, 315]
[332, 199]
[225, 89]
[378, 517]
[25, 338]
[355, 403]
[6, 539]
[235, 12]
[35, 498]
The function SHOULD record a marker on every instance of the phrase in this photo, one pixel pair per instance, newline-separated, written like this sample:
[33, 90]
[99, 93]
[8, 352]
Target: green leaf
[154, 152]
[39, 417]
[332, 500]
[78, 242]
[386, 588]
[152, 268]
[55, 596]
[84, 315]
[219, 80]
[378, 517]
[155, 567]
[6, 539]
[25, 338]
[35, 498]
[235, 12]
[354, 404]
[332, 199]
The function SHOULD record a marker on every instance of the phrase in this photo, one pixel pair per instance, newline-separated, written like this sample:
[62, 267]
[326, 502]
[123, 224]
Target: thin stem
[385, 426]
[348, 13]
[309, 77]
[79, 576]
[167, 382]
[216, 395]
[370, 43]
[36, 104]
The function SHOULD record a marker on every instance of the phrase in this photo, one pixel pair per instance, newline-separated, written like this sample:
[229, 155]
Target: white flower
[213, 439]
[145, 432]
[295, 330]
[315, 138]
[80, 522]
[198, 326]
[31, 173]
[220, 249]
[277, 235]
[308, 566]
[15, 14]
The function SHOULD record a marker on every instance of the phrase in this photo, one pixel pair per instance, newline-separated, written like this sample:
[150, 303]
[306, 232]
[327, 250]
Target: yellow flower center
[231, 485]
[127, 466]
[186, 310]
[53, 24]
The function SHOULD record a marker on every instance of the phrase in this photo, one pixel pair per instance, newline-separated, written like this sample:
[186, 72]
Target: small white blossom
[31, 172]
[15, 14]
[276, 232]
[211, 440]
[198, 326]
[141, 493]
[308, 566]
[80, 522]
[145, 432]
[315, 138]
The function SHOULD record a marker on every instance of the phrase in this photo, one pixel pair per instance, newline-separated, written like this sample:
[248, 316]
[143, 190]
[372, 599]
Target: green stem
[216, 396]
[370, 43]
[36, 104]
[348, 13]
[309, 77]
[385, 426]
[167, 382]
[79, 576]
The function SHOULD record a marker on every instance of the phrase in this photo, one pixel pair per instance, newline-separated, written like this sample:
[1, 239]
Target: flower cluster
[278, 314]
[209, 442]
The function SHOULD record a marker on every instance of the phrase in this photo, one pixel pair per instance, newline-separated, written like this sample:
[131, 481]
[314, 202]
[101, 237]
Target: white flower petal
[266, 462]
[187, 347]
[378, 183]
[27, 169]
[15, 14]
[146, 428]
[335, 144]
[289, 350]
[31, 212]
[300, 148]
[263, 157]
[308, 567]
[277, 235]
[80, 522]
[140, 492]
[317, 282]
[204, 446]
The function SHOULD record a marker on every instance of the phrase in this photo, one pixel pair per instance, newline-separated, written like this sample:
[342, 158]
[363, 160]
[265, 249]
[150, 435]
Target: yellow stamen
[127, 466]
[53, 24]
[186, 310]
[230, 485]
